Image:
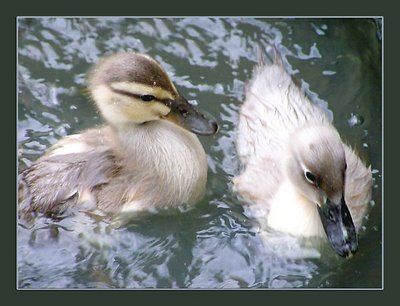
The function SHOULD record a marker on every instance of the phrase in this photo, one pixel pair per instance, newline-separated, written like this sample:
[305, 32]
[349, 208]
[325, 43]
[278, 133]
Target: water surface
[215, 244]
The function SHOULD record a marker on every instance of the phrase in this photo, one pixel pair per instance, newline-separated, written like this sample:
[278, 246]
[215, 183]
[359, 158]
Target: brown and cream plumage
[146, 156]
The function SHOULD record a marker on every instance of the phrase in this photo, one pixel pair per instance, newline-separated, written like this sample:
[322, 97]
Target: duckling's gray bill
[339, 227]
[189, 117]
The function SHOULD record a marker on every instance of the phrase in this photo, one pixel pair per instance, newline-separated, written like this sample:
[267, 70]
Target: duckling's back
[274, 108]
[67, 174]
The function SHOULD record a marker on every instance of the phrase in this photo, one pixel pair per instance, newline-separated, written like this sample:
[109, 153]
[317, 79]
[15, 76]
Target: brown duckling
[147, 156]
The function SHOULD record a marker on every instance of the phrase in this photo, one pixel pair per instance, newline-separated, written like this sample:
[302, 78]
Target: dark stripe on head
[132, 68]
[144, 98]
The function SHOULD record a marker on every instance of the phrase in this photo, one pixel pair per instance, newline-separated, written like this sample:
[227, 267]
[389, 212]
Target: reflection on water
[215, 244]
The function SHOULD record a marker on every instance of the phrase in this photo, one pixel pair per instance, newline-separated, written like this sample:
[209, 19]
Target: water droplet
[328, 72]
[219, 89]
[61, 131]
[355, 119]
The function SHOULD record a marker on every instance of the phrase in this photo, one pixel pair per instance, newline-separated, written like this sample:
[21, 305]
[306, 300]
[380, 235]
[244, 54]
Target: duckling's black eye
[310, 177]
[147, 98]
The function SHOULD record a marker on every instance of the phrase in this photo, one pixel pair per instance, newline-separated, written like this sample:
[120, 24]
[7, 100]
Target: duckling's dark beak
[339, 227]
[190, 118]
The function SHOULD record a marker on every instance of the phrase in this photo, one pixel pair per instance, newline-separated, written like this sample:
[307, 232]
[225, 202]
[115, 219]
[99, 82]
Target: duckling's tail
[269, 55]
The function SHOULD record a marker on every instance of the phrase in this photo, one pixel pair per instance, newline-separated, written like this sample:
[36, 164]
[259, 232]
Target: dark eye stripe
[126, 93]
[147, 98]
[144, 98]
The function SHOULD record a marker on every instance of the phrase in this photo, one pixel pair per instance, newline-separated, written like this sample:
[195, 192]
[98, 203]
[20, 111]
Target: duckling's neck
[293, 213]
[154, 141]
[173, 158]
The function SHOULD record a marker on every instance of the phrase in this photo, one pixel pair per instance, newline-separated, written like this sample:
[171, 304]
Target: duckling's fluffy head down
[131, 67]
[132, 88]
[317, 163]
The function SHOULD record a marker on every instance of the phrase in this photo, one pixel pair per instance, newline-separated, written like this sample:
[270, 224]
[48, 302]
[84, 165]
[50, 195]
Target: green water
[214, 245]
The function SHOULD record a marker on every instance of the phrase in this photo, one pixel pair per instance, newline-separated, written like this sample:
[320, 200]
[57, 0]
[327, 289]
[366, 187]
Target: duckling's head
[133, 88]
[317, 166]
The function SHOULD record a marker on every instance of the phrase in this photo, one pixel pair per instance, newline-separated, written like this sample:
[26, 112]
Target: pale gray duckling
[147, 156]
[297, 171]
